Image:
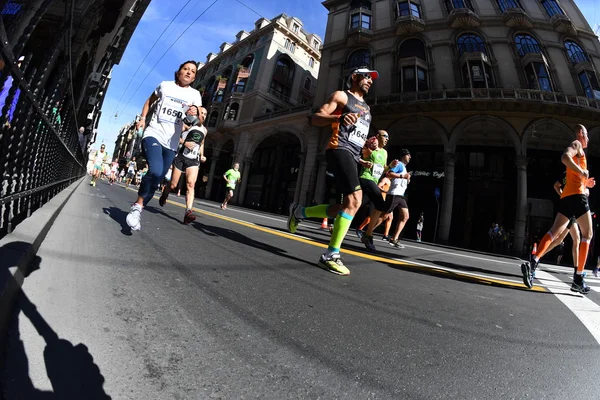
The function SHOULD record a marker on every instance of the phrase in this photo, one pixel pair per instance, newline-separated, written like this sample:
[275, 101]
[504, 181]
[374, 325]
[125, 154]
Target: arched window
[587, 76]
[536, 70]
[359, 58]
[311, 62]
[243, 72]
[470, 43]
[475, 66]
[283, 77]
[526, 44]
[412, 61]
[289, 45]
[212, 120]
[552, 8]
[575, 52]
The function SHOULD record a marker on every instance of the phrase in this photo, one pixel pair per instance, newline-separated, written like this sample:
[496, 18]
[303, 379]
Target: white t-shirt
[398, 185]
[99, 159]
[173, 101]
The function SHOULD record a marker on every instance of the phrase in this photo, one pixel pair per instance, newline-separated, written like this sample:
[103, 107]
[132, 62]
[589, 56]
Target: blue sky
[219, 24]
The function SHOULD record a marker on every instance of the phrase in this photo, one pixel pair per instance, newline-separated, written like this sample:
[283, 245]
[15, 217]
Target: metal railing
[40, 149]
[488, 94]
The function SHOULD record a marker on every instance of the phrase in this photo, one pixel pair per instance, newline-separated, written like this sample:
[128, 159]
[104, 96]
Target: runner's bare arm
[325, 116]
[557, 188]
[567, 158]
[142, 122]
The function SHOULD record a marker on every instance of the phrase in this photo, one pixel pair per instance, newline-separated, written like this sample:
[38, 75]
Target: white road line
[584, 309]
[244, 212]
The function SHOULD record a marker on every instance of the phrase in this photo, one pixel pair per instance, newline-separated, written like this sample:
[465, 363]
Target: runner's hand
[394, 163]
[190, 145]
[590, 183]
[349, 118]
[202, 159]
[141, 123]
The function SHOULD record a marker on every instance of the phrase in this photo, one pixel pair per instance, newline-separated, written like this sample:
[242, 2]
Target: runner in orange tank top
[573, 203]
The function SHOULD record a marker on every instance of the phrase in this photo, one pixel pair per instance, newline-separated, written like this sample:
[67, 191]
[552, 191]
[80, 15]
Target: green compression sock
[340, 228]
[319, 211]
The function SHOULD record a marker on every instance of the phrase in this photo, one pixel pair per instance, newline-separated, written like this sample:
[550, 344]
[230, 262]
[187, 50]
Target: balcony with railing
[523, 100]
[513, 14]
[563, 24]
[461, 14]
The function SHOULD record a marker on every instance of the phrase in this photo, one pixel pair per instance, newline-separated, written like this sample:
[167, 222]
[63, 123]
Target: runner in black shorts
[349, 116]
[573, 203]
[571, 227]
[187, 160]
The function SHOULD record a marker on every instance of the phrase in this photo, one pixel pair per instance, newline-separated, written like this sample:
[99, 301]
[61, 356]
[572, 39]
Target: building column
[521, 214]
[320, 197]
[245, 168]
[447, 199]
[211, 175]
[301, 173]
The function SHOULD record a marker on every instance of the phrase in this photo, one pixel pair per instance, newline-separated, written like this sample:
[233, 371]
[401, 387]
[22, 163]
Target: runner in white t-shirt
[99, 158]
[171, 102]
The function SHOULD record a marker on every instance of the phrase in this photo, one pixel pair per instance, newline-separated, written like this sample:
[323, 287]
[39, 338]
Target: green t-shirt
[379, 160]
[232, 175]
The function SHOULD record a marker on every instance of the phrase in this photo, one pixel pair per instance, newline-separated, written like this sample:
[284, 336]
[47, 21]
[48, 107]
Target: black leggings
[373, 193]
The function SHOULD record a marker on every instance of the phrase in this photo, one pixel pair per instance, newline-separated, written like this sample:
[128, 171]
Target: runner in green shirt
[232, 177]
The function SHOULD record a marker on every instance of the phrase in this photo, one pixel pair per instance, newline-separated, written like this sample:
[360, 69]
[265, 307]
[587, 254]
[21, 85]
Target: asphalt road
[233, 307]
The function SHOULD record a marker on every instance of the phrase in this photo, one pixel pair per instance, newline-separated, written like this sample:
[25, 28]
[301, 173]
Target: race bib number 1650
[171, 111]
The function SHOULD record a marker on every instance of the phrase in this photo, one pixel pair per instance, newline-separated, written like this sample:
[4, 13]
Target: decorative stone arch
[222, 141]
[550, 133]
[505, 129]
[257, 138]
[420, 125]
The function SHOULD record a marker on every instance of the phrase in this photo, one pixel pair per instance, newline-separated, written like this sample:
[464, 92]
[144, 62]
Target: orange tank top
[575, 182]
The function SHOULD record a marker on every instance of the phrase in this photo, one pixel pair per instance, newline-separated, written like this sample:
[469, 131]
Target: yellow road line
[477, 278]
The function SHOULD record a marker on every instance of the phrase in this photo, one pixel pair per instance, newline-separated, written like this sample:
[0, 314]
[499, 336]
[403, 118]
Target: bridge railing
[41, 151]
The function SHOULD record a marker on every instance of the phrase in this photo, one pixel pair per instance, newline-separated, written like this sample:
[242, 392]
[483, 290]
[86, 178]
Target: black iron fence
[41, 151]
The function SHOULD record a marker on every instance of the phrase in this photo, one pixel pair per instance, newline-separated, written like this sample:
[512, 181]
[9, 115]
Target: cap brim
[374, 74]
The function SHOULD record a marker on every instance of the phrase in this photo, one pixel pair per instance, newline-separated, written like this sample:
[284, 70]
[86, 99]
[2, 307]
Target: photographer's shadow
[70, 368]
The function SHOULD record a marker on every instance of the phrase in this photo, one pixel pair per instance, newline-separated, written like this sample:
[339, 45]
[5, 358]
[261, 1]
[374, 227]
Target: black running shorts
[573, 206]
[571, 222]
[182, 163]
[393, 201]
[343, 166]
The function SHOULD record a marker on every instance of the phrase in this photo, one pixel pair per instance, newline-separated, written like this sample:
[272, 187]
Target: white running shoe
[134, 217]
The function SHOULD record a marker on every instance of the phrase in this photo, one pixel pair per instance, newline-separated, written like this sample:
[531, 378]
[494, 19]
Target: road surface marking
[411, 264]
[584, 309]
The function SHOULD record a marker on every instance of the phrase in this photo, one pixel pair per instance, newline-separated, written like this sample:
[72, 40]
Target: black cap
[404, 152]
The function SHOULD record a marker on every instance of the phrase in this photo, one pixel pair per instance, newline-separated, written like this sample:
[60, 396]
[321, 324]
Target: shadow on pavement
[238, 237]
[70, 369]
[470, 269]
[118, 216]
[156, 210]
[325, 237]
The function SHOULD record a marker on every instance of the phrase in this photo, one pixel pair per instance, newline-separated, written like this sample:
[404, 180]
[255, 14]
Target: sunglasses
[367, 76]
[385, 136]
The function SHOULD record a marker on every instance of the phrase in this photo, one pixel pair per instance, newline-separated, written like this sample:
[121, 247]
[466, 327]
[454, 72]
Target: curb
[19, 248]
